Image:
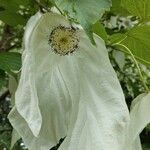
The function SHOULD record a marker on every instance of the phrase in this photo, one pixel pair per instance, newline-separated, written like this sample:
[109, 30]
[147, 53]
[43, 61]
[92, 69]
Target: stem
[137, 65]
[59, 9]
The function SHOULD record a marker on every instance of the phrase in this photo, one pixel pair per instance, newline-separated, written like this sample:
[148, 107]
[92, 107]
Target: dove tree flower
[139, 118]
[67, 88]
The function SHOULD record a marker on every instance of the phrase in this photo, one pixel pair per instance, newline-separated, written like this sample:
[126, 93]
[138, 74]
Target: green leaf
[86, 12]
[118, 9]
[11, 18]
[137, 40]
[140, 8]
[9, 11]
[99, 29]
[10, 61]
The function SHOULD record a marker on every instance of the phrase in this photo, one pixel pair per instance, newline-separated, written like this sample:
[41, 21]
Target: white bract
[139, 118]
[67, 88]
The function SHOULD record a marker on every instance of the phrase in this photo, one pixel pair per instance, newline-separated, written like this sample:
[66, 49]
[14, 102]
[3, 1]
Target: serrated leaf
[85, 12]
[10, 61]
[140, 8]
[137, 40]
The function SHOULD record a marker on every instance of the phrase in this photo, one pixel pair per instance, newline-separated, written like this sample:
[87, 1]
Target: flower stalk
[137, 65]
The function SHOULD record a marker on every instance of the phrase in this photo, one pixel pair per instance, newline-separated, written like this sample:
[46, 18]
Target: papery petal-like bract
[139, 118]
[76, 96]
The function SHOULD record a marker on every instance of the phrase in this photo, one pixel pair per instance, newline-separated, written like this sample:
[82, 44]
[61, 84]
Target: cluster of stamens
[64, 40]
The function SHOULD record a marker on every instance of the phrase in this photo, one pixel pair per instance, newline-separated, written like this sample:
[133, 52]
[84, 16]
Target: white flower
[139, 118]
[67, 88]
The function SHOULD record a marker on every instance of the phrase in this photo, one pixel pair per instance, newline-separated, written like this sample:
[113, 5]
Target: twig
[59, 9]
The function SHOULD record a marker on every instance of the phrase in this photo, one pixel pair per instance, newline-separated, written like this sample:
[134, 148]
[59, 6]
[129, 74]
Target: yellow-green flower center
[64, 40]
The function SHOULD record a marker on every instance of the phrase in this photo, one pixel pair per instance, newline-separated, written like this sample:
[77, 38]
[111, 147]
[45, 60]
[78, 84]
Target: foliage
[10, 61]
[140, 8]
[96, 16]
[137, 40]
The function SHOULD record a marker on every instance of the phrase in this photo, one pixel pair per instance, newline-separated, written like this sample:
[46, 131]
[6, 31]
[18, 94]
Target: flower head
[64, 40]
[76, 96]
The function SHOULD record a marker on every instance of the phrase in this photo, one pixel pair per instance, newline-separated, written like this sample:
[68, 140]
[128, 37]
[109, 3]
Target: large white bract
[139, 118]
[70, 92]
